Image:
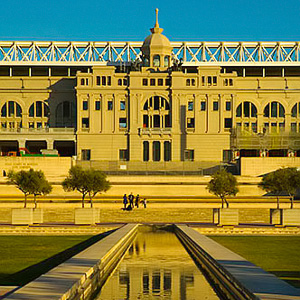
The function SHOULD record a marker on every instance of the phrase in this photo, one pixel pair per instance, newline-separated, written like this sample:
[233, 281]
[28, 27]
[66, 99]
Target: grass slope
[23, 258]
[279, 255]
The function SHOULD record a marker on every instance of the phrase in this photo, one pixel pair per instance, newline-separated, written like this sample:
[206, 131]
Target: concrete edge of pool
[236, 277]
[81, 274]
[84, 273]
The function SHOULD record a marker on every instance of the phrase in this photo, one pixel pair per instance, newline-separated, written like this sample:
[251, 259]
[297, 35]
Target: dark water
[157, 267]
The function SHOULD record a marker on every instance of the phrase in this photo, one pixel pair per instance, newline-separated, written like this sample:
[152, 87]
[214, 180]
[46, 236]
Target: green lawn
[23, 258]
[279, 255]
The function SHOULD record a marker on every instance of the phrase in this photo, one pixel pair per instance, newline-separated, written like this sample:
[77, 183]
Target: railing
[151, 131]
[37, 130]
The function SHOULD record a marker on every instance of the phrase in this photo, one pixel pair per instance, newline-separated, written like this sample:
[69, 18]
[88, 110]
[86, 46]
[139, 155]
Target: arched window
[296, 110]
[119, 81]
[157, 113]
[39, 109]
[274, 110]
[295, 121]
[246, 117]
[246, 110]
[188, 82]
[274, 117]
[65, 115]
[166, 61]
[156, 61]
[11, 109]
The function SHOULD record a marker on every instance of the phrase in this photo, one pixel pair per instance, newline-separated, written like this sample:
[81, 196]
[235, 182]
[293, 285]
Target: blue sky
[112, 20]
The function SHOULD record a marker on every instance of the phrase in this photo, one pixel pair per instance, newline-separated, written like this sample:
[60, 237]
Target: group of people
[131, 201]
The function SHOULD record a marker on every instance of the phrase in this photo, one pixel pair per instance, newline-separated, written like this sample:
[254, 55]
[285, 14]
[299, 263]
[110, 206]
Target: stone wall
[256, 166]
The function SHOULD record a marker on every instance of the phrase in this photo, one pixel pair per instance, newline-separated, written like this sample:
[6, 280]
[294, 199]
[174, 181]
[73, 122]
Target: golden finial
[156, 23]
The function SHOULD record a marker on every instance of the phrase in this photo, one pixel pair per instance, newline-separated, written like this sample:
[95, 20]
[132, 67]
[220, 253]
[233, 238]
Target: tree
[87, 182]
[30, 183]
[223, 184]
[284, 180]
[40, 185]
[271, 183]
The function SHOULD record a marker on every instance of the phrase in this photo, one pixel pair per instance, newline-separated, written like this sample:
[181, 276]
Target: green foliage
[87, 182]
[223, 184]
[30, 182]
[282, 180]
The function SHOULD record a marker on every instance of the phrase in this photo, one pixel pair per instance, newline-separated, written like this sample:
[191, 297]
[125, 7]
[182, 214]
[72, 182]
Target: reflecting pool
[156, 266]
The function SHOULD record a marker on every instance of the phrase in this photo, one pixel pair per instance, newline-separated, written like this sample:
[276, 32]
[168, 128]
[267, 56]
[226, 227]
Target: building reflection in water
[157, 267]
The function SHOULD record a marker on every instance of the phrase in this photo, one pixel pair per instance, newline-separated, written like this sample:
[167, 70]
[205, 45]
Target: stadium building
[152, 101]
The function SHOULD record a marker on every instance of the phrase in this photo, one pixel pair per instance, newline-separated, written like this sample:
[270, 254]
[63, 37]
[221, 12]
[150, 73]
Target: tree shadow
[24, 276]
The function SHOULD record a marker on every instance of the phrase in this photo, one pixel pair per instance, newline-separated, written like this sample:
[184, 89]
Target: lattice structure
[191, 53]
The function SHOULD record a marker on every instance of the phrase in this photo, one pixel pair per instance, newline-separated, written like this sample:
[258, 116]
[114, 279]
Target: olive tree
[30, 182]
[223, 184]
[284, 180]
[87, 182]
[272, 183]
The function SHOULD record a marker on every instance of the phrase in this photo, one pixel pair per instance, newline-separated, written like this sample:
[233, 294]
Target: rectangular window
[189, 155]
[85, 105]
[86, 81]
[85, 123]
[167, 151]
[145, 82]
[156, 151]
[108, 80]
[209, 80]
[103, 80]
[190, 122]
[109, 105]
[98, 80]
[231, 82]
[203, 105]
[122, 105]
[215, 80]
[152, 82]
[203, 80]
[226, 84]
[160, 82]
[125, 82]
[122, 123]
[123, 154]
[228, 123]
[97, 105]
[86, 154]
[145, 151]
[228, 106]
[215, 105]
[190, 105]
[168, 82]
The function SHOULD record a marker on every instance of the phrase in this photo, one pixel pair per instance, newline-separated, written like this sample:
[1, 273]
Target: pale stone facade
[152, 110]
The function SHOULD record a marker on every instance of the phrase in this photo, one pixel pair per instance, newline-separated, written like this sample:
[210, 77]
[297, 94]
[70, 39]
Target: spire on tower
[156, 23]
[156, 28]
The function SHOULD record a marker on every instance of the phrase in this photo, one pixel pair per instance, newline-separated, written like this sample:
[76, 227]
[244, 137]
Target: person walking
[125, 201]
[145, 202]
[137, 201]
[131, 198]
